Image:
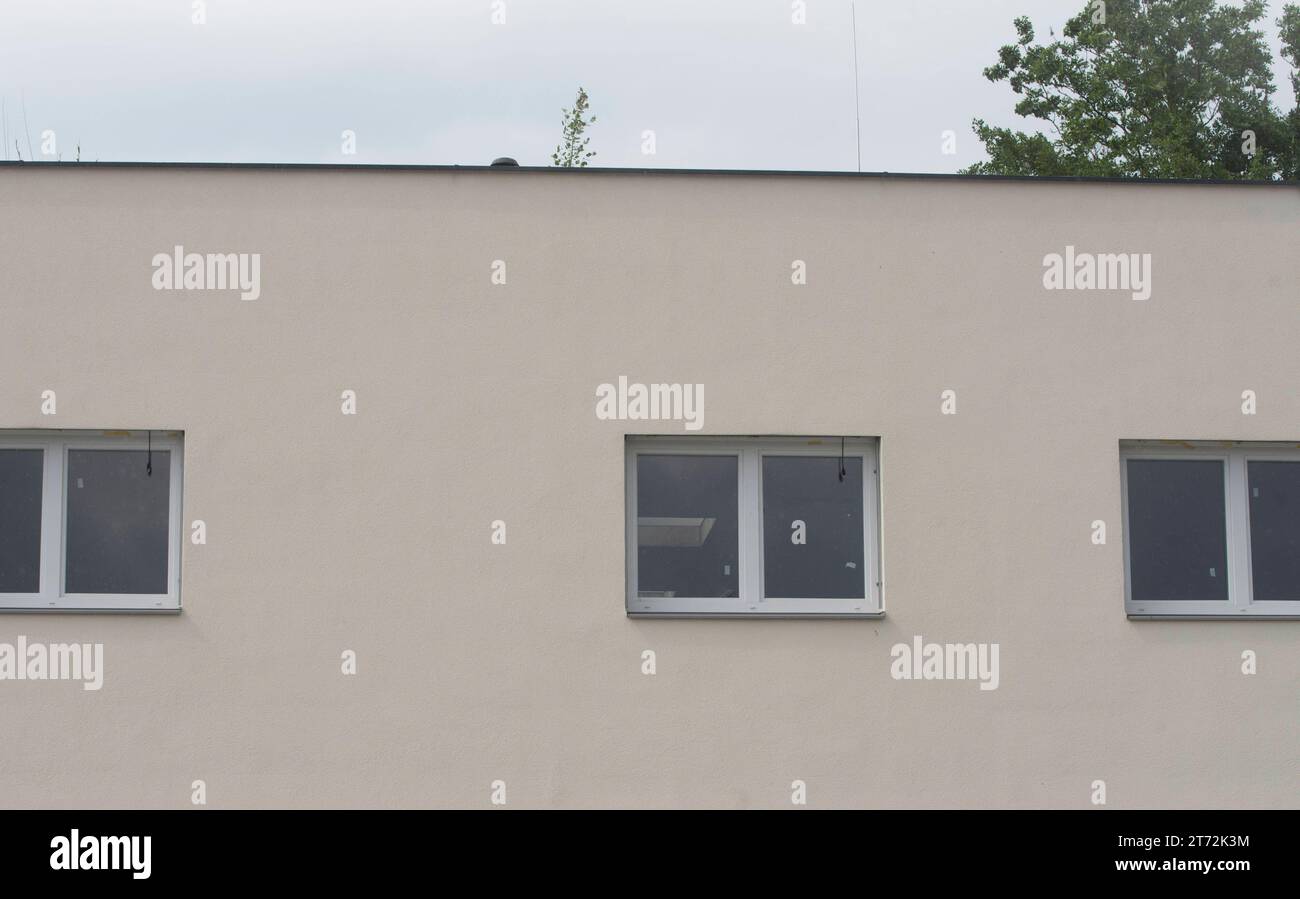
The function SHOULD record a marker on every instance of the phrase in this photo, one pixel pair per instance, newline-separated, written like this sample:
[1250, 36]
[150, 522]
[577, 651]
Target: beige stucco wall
[480, 662]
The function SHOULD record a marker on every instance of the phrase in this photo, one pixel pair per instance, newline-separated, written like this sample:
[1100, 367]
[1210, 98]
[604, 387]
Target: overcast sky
[722, 83]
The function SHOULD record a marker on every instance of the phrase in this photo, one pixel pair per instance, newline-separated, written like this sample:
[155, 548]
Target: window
[1211, 530]
[90, 520]
[780, 527]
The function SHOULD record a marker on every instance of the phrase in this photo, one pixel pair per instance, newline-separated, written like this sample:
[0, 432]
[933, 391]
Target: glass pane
[688, 526]
[1275, 530]
[812, 528]
[117, 522]
[21, 472]
[1177, 530]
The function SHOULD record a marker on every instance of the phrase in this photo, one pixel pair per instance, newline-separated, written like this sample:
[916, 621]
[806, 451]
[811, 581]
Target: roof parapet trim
[589, 171]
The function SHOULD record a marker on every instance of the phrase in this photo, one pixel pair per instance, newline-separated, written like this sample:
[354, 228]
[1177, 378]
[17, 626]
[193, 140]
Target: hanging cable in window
[842, 471]
[148, 463]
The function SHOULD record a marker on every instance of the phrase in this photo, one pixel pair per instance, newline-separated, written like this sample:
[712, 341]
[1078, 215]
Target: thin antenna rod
[30, 155]
[857, 106]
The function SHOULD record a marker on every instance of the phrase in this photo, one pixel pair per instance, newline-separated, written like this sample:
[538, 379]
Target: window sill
[56, 610]
[1187, 616]
[768, 616]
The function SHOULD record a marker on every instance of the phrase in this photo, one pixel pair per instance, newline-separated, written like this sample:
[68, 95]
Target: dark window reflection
[687, 526]
[1177, 530]
[812, 528]
[21, 472]
[117, 522]
[1275, 530]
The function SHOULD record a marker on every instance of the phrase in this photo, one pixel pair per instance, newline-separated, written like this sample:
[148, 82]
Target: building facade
[395, 554]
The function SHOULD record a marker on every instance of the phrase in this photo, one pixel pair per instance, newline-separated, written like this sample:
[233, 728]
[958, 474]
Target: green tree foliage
[1149, 89]
[572, 150]
[1290, 26]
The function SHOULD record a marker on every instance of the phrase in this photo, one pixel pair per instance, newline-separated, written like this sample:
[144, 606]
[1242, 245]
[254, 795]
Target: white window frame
[56, 445]
[1236, 493]
[751, 603]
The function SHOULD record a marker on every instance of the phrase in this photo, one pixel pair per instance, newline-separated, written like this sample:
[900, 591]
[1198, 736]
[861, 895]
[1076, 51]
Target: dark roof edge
[615, 170]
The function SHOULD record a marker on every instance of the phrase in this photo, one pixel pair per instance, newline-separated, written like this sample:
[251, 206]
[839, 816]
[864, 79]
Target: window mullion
[1239, 585]
[52, 524]
[751, 534]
